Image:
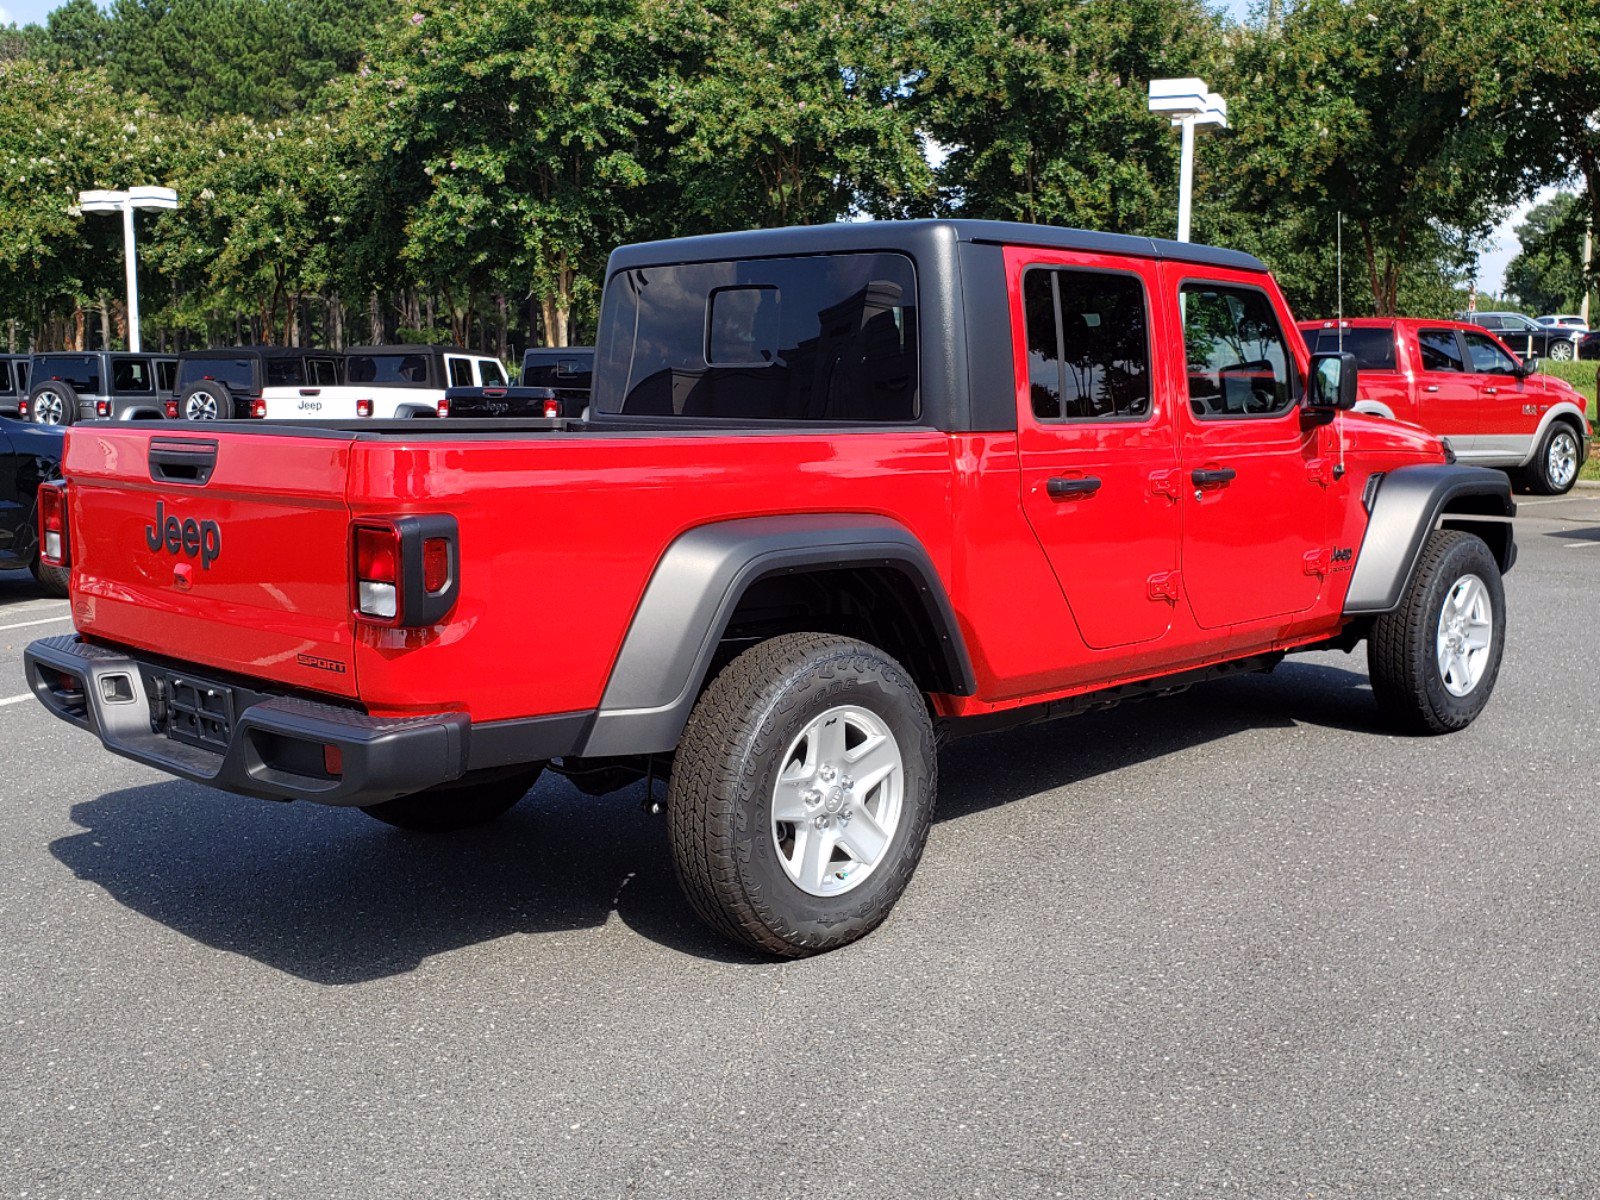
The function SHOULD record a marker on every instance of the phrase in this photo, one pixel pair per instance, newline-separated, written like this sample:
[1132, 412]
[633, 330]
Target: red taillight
[552, 408]
[22, 409]
[332, 760]
[363, 408]
[435, 565]
[258, 408]
[102, 408]
[172, 410]
[444, 407]
[53, 548]
[377, 558]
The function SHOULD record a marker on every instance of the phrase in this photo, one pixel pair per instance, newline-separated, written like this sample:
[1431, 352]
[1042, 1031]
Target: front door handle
[1491, 391]
[1208, 476]
[1432, 387]
[1060, 486]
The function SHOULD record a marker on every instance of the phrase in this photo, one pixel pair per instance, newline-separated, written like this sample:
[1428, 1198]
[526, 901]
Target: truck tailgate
[228, 550]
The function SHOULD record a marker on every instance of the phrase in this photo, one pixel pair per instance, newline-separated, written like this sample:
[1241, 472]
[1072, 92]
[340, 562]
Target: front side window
[1239, 363]
[238, 373]
[388, 370]
[1088, 344]
[1487, 357]
[285, 372]
[820, 338]
[1440, 350]
[491, 374]
[1373, 348]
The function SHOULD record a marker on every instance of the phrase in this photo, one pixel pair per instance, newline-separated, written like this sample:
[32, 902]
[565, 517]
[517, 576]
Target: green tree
[76, 34]
[1547, 273]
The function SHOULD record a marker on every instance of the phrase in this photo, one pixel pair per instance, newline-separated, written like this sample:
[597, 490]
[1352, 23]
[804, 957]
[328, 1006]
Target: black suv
[228, 383]
[68, 387]
[1526, 336]
[13, 383]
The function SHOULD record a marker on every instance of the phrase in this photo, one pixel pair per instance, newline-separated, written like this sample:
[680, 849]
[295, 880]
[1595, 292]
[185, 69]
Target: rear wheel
[1563, 351]
[53, 403]
[1434, 660]
[802, 793]
[452, 806]
[1554, 468]
[53, 580]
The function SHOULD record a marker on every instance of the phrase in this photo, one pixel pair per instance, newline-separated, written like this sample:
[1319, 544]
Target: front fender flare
[697, 584]
[1411, 502]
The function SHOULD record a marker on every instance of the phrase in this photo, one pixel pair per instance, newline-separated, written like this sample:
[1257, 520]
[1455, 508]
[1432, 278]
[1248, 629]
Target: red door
[1255, 512]
[1447, 392]
[1095, 440]
[1508, 409]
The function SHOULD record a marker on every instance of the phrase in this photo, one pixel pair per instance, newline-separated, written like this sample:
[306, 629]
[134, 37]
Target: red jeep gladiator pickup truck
[1464, 384]
[844, 490]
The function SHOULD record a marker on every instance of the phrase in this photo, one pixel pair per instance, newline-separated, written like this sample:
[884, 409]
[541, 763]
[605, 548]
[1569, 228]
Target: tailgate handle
[311, 391]
[182, 461]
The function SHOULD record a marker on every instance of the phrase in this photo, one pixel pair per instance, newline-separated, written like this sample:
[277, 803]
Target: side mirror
[1528, 366]
[1333, 382]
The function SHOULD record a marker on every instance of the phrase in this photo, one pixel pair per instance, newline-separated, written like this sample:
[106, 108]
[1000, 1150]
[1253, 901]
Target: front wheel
[1554, 468]
[452, 806]
[802, 793]
[1434, 660]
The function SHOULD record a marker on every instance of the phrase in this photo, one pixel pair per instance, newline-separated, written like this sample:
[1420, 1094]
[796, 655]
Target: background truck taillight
[54, 550]
[404, 570]
[171, 407]
[552, 408]
[258, 408]
[102, 408]
[363, 408]
[444, 407]
[22, 410]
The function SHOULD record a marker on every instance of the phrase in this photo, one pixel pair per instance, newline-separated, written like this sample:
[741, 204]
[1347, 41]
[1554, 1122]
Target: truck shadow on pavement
[333, 897]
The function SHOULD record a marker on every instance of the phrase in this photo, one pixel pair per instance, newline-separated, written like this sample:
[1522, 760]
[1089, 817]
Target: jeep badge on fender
[191, 537]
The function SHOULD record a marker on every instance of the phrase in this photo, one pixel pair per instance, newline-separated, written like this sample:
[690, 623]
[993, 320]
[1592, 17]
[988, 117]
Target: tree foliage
[1547, 273]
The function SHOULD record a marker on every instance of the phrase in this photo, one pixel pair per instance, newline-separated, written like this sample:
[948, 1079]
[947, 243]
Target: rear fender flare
[694, 590]
[1411, 502]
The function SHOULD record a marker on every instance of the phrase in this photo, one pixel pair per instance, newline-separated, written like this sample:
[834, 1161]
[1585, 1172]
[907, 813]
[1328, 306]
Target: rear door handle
[1202, 478]
[1086, 485]
[1491, 391]
[1432, 387]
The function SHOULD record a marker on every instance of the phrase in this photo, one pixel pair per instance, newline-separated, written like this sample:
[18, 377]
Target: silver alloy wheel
[837, 802]
[1562, 351]
[50, 408]
[1466, 635]
[202, 406]
[1561, 462]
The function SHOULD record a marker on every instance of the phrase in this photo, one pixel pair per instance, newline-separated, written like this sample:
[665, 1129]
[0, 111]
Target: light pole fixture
[1188, 102]
[101, 200]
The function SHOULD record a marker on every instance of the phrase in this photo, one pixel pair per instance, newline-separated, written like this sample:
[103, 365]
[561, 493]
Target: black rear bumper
[233, 737]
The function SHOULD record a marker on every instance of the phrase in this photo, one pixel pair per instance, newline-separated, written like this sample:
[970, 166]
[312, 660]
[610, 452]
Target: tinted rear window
[1373, 348]
[238, 373]
[82, 371]
[285, 372]
[388, 370]
[558, 369]
[823, 338]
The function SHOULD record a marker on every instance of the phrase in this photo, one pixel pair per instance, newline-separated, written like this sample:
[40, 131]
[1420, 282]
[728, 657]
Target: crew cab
[227, 383]
[843, 490]
[122, 386]
[554, 383]
[381, 382]
[13, 383]
[1462, 383]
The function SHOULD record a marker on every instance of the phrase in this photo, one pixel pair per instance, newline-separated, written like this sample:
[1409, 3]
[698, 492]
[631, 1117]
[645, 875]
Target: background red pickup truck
[1463, 383]
[843, 489]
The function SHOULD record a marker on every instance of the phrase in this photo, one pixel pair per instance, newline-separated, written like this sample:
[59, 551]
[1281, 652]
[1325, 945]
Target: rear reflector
[435, 565]
[53, 546]
[363, 408]
[332, 759]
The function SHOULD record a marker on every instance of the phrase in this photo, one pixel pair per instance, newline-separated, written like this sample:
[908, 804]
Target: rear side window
[460, 372]
[284, 372]
[1440, 350]
[166, 372]
[820, 338]
[130, 375]
[1239, 363]
[82, 371]
[323, 372]
[1088, 344]
[238, 373]
[6, 382]
[391, 370]
[1373, 348]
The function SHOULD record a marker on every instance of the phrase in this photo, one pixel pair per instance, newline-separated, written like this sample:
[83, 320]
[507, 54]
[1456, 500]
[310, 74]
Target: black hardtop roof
[558, 350]
[417, 348]
[98, 353]
[257, 352]
[912, 236]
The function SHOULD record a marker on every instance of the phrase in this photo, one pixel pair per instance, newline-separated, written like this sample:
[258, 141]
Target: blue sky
[1491, 266]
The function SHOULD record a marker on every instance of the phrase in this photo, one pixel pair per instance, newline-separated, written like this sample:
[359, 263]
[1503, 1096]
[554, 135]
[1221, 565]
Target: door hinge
[1165, 585]
[1164, 483]
[1317, 562]
[1320, 471]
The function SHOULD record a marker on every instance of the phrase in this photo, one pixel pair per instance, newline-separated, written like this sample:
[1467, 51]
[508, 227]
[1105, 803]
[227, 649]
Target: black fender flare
[1409, 504]
[694, 590]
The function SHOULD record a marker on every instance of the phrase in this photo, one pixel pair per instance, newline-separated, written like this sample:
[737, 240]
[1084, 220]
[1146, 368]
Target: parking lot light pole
[1188, 103]
[101, 200]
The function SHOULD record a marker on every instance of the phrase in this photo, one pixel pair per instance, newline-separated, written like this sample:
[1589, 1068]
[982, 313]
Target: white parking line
[16, 699]
[40, 621]
[1582, 545]
[12, 610]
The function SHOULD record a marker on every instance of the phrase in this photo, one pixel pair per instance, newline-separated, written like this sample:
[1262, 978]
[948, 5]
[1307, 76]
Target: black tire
[719, 802]
[206, 401]
[1554, 469]
[67, 408]
[52, 579]
[452, 806]
[1403, 649]
[1562, 350]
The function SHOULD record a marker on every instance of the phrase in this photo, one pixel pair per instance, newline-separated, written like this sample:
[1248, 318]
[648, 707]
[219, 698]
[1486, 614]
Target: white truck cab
[389, 381]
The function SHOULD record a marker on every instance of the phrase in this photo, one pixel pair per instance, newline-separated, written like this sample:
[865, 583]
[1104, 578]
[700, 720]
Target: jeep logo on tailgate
[191, 537]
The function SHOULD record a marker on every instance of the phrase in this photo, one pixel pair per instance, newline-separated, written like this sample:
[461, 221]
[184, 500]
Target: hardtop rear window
[817, 338]
[1373, 348]
[82, 371]
[558, 369]
[387, 370]
[237, 373]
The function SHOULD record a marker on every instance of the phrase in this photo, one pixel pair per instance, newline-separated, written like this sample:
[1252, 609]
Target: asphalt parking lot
[1239, 941]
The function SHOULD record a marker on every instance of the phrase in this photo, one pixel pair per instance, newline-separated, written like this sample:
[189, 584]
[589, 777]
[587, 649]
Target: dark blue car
[29, 455]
